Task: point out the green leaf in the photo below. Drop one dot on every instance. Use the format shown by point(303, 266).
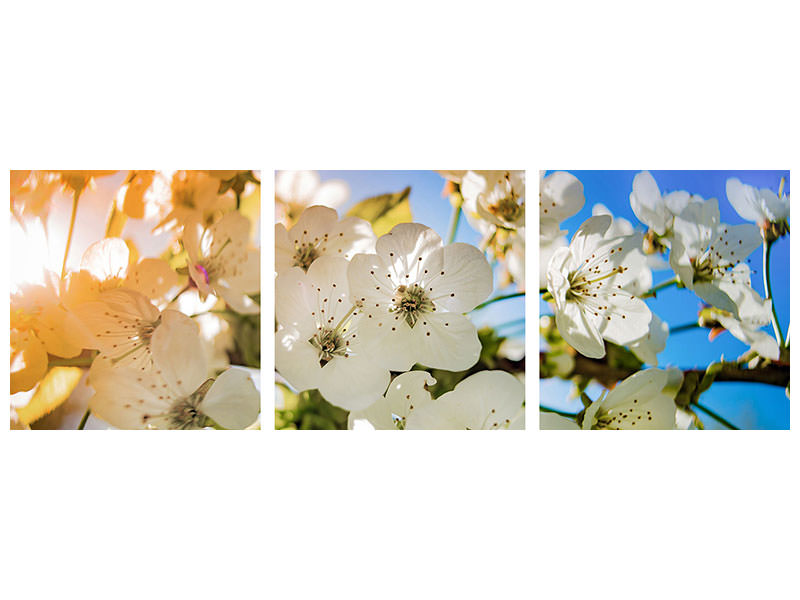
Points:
point(384, 211)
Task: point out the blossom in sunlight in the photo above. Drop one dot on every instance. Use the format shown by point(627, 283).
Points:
point(221, 263)
point(319, 232)
point(413, 293)
point(41, 324)
point(320, 344)
point(707, 256)
point(177, 395)
point(486, 400)
point(761, 206)
point(654, 210)
point(194, 198)
point(496, 197)
point(645, 400)
point(560, 197)
point(106, 265)
point(130, 331)
point(748, 329)
point(587, 281)
point(297, 190)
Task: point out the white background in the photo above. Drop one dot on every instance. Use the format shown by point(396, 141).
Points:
point(399, 85)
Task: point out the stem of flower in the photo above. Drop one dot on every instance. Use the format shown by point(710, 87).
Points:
point(716, 417)
point(185, 288)
point(563, 413)
point(768, 289)
point(657, 288)
point(85, 418)
point(455, 217)
point(685, 327)
point(497, 298)
point(75, 195)
point(71, 362)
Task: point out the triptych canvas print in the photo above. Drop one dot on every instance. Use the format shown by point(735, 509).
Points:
point(401, 300)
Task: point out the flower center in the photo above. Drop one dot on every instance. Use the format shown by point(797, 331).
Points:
point(329, 343)
point(185, 413)
point(411, 302)
point(507, 209)
point(304, 255)
point(705, 269)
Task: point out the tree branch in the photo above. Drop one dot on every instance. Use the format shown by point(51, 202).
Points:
point(772, 374)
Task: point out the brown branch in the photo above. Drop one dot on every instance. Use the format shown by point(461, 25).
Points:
point(772, 374)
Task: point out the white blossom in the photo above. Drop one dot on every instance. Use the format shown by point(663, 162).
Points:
point(645, 400)
point(221, 263)
point(494, 197)
point(320, 343)
point(486, 400)
point(706, 255)
point(587, 281)
point(297, 190)
point(560, 197)
point(761, 206)
point(414, 292)
point(130, 331)
point(654, 210)
point(319, 232)
point(177, 395)
point(754, 314)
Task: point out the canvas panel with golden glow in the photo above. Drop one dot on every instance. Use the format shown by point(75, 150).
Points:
point(135, 299)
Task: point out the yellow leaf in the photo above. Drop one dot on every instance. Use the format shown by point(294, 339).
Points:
point(53, 390)
point(384, 211)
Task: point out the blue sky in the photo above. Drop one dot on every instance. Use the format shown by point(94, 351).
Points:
point(430, 208)
point(747, 405)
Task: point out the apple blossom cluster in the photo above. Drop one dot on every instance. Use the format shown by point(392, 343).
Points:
point(155, 331)
point(355, 312)
point(597, 284)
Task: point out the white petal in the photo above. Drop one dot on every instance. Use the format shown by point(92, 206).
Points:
point(123, 397)
point(296, 186)
point(328, 278)
point(548, 420)
point(295, 302)
point(152, 277)
point(296, 360)
point(405, 244)
point(561, 196)
point(233, 400)
point(106, 259)
point(629, 320)
point(485, 400)
point(370, 281)
point(465, 279)
point(353, 382)
point(743, 199)
point(408, 392)
point(178, 352)
point(578, 331)
point(390, 338)
point(647, 204)
point(446, 341)
point(736, 242)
